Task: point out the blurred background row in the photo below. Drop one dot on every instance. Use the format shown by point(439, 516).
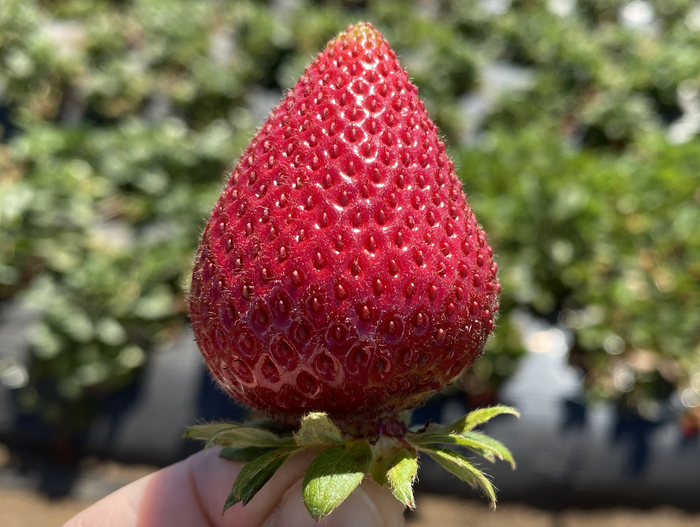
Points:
point(574, 125)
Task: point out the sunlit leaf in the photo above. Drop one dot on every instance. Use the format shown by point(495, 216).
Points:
point(462, 468)
point(478, 418)
point(397, 470)
point(333, 475)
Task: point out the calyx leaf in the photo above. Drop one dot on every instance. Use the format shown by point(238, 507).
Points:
point(206, 430)
point(478, 417)
point(233, 435)
point(482, 444)
point(462, 468)
point(255, 474)
point(333, 475)
point(397, 470)
point(479, 440)
point(318, 429)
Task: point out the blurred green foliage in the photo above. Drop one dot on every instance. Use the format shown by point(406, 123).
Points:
point(573, 124)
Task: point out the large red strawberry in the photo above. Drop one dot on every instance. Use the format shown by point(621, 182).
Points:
point(342, 269)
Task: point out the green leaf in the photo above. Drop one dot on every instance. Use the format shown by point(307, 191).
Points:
point(206, 430)
point(482, 444)
point(243, 455)
point(490, 444)
point(233, 435)
point(255, 481)
point(333, 475)
point(452, 439)
point(478, 418)
point(230, 502)
point(397, 471)
point(462, 468)
point(318, 429)
point(254, 476)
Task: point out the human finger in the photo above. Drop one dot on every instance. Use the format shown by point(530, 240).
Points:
point(192, 493)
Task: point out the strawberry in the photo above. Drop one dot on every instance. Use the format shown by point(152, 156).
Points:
point(342, 269)
point(341, 279)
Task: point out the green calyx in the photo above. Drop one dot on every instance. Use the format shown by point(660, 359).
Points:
point(344, 461)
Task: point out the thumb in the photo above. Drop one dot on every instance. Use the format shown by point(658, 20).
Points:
point(368, 506)
point(193, 492)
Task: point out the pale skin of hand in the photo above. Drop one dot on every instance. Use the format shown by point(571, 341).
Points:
point(191, 493)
